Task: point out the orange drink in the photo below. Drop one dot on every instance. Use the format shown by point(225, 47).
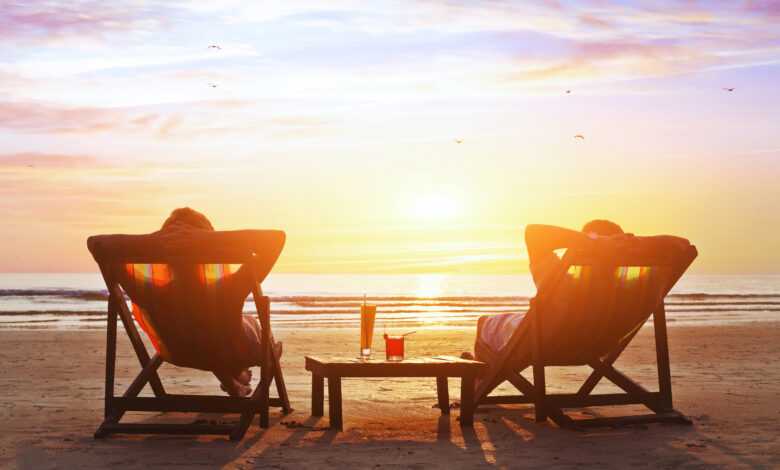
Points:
point(367, 316)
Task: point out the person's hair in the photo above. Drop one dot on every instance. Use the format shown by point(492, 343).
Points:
point(188, 217)
point(602, 227)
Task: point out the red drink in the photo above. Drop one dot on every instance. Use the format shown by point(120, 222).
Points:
point(394, 347)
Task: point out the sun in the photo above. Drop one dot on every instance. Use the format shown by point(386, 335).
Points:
point(434, 207)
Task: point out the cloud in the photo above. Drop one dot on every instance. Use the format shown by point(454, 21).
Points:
point(84, 191)
point(599, 40)
point(47, 160)
point(629, 58)
point(182, 121)
point(35, 22)
point(39, 118)
point(595, 22)
point(770, 8)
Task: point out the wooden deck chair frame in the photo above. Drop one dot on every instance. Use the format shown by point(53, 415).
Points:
point(505, 368)
point(116, 406)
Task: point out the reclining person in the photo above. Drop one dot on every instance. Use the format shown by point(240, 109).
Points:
point(188, 227)
point(600, 236)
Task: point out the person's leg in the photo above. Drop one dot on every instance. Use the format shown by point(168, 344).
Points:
point(468, 355)
point(230, 384)
point(243, 376)
point(252, 339)
point(480, 326)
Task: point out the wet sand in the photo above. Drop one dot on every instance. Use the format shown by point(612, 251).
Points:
point(725, 378)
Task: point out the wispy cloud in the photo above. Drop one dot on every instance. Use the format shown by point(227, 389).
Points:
point(183, 121)
point(35, 159)
point(34, 22)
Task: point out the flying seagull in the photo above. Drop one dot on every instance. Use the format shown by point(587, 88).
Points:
point(31, 166)
point(212, 85)
point(729, 89)
point(579, 137)
point(458, 141)
point(215, 47)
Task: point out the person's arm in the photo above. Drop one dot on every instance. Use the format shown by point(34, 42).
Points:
point(542, 240)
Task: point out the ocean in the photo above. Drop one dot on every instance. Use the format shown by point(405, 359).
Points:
point(77, 301)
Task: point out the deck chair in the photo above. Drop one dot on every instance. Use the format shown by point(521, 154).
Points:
point(169, 281)
point(613, 296)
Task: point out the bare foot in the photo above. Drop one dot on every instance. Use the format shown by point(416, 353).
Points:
point(236, 389)
point(244, 377)
point(231, 385)
point(244, 390)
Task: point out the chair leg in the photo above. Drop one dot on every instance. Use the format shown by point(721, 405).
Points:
point(281, 388)
point(243, 424)
point(265, 385)
point(540, 389)
point(540, 400)
point(662, 355)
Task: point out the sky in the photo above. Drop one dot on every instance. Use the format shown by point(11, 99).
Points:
point(338, 122)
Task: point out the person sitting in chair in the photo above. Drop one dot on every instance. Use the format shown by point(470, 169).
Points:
point(542, 241)
point(185, 222)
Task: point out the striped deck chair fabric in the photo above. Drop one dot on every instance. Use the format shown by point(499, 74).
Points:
point(176, 306)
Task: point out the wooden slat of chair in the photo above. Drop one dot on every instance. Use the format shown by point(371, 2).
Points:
point(594, 378)
point(264, 315)
point(135, 338)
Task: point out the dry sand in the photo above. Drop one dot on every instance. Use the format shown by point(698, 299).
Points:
point(726, 378)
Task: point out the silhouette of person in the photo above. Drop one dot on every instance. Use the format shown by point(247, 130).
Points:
point(542, 241)
point(235, 381)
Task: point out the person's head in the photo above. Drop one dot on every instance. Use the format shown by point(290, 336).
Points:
point(189, 218)
point(602, 227)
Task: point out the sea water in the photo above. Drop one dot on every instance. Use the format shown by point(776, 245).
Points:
point(68, 301)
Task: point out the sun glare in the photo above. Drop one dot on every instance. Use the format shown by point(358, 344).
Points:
point(429, 285)
point(434, 207)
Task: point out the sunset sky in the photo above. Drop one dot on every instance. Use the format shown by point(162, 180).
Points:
point(336, 122)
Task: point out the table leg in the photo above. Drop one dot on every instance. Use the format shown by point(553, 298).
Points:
point(443, 392)
point(334, 402)
point(467, 400)
point(317, 394)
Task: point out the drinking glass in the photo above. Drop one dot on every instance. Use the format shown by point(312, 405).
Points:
point(394, 348)
point(367, 316)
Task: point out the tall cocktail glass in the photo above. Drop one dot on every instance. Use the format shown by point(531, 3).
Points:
point(367, 316)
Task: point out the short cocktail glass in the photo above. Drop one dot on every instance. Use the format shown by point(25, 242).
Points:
point(394, 348)
point(367, 316)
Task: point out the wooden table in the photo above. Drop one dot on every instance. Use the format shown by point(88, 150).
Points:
point(441, 367)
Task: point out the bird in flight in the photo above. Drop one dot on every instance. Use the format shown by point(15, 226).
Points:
point(568, 91)
point(458, 141)
point(729, 89)
point(31, 166)
point(212, 85)
point(579, 137)
point(214, 47)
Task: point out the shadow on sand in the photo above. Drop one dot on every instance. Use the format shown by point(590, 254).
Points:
point(501, 437)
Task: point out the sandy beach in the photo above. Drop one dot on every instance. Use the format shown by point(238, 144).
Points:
point(726, 378)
